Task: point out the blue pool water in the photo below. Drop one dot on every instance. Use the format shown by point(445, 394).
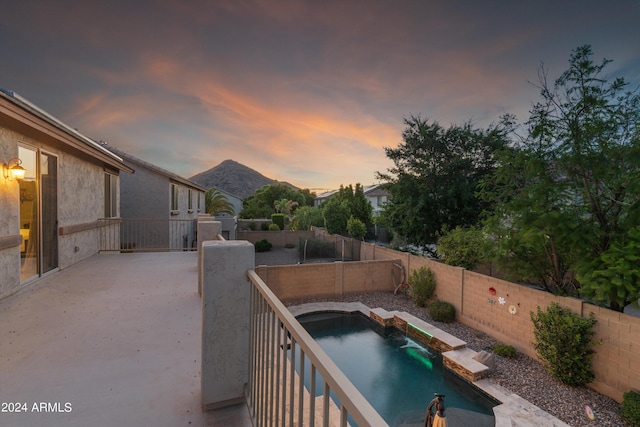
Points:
point(397, 375)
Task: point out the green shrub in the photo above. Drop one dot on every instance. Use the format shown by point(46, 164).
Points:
point(264, 226)
point(252, 226)
point(356, 228)
point(442, 311)
point(564, 341)
point(464, 247)
point(263, 245)
point(504, 350)
point(631, 407)
point(274, 227)
point(278, 219)
point(423, 284)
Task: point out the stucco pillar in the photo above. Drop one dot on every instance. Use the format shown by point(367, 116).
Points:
point(207, 230)
point(225, 321)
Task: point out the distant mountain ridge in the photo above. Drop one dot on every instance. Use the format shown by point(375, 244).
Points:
point(234, 178)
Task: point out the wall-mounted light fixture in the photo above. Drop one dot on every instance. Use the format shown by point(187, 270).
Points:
point(12, 170)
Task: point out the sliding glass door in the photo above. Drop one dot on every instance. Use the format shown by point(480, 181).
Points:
point(49, 212)
point(38, 213)
point(29, 230)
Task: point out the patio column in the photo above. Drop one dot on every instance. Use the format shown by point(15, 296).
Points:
point(225, 321)
point(208, 229)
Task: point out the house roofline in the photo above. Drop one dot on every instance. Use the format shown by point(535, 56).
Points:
point(172, 176)
point(23, 111)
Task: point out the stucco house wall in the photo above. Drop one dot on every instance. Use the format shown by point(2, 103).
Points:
point(235, 201)
point(146, 194)
point(9, 216)
point(80, 198)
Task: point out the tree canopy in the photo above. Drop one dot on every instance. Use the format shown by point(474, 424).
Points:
point(346, 203)
point(273, 198)
point(306, 217)
point(568, 189)
point(435, 176)
point(558, 197)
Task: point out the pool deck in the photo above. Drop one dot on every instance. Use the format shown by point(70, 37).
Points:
point(514, 410)
point(117, 337)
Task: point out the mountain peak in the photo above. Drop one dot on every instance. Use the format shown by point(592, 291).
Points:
point(234, 178)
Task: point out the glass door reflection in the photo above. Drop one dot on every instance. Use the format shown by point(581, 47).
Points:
point(29, 248)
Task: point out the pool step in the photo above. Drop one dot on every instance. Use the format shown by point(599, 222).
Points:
point(462, 362)
point(418, 329)
point(456, 356)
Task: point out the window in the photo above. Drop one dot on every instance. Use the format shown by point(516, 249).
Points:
point(190, 200)
point(198, 207)
point(110, 196)
point(174, 197)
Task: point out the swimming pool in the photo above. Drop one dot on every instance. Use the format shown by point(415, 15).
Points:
point(397, 375)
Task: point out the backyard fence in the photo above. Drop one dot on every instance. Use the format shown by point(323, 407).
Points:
point(147, 235)
point(341, 248)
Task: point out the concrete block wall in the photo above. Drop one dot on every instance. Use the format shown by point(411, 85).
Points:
point(279, 239)
point(367, 276)
point(327, 279)
point(618, 358)
point(369, 251)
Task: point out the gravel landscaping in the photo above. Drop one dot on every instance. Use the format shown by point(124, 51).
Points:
point(521, 375)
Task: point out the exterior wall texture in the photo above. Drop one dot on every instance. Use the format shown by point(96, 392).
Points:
point(144, 194)
point(183, 211)
point(80, 202)
point(9, 216)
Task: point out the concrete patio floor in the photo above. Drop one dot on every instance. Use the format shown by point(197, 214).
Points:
point(111, 341)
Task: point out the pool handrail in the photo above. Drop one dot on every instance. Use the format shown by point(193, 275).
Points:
point(352, 402)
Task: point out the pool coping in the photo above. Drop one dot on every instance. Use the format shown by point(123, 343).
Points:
point(457, 357)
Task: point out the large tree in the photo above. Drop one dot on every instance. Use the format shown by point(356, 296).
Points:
point(435, 177)
point(347, 202)
point(262, 203)
point(571, 187)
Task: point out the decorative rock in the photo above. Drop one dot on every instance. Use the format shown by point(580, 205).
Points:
point(487, 359)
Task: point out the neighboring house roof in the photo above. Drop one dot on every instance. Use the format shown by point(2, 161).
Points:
point(172, 176)
point(368, 190)
point(375, 190)
point(36, 118)
point(326, 195)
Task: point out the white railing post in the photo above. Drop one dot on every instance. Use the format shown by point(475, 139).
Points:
point(225, 321)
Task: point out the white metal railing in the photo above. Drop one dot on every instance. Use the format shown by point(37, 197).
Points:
point(276, 395)
point(147, 234)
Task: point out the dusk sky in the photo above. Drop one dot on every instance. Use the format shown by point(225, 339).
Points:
point(307, 92)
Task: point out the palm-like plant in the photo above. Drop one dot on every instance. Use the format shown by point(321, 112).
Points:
point(215, 202)
point(284, 206)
